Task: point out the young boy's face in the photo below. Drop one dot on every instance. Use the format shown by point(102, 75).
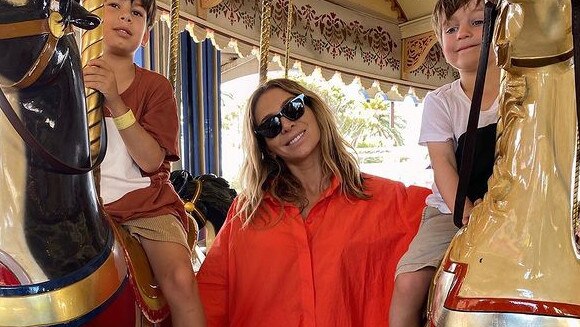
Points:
point(461, 36)
point(124, 26)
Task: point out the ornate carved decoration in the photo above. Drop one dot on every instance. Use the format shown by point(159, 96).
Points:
point(206, 4)
point(235, 12)
point(330, 34)
point(415, 51)
point(323, 33)
point(424, 60)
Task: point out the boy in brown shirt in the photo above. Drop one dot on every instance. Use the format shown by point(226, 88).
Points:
point(142, 140)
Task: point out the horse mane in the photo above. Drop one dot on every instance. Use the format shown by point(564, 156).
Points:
point(214, 199)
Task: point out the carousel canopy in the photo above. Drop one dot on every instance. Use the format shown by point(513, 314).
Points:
point(389, 10)
point(387, 45)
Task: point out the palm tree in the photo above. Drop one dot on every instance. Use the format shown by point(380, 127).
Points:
point(369, 123)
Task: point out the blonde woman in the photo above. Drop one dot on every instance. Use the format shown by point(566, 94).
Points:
point(310, 240)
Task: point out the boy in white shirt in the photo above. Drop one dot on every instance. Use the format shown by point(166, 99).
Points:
point(459, 28)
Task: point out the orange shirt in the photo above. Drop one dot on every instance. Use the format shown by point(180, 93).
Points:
point(334, 268)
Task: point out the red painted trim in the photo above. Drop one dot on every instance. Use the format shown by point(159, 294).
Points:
point(119, 313)
point(154, 316)
point(523, 306)
point(7, 277)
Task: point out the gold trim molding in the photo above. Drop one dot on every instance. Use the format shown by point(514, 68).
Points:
point(415, 50)
point(67, 303)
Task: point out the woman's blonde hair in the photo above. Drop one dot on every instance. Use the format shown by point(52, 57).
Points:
point(262, 173)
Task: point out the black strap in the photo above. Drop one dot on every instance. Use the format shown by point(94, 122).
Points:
point(576, 42)
point(57, 165)
point(542, 61)
point(490, 14)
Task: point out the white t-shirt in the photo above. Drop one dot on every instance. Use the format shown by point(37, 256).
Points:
point(445, 117)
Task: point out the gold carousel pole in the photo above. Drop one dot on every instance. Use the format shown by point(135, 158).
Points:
point(265, 29)
point(174, 42)
point(92, 48)
point(288, 38)
point(576, 201)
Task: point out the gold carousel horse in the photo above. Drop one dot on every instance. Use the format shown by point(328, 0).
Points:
point(516, 263)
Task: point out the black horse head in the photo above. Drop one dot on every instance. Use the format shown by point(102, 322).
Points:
point(213, 200)
point(41, 76)
point(25, 33)
point(70, 10)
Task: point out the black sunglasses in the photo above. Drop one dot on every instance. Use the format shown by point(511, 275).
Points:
point(293, 110)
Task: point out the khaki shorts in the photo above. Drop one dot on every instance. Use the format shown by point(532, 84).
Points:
point(430, 243)
point(166, 228)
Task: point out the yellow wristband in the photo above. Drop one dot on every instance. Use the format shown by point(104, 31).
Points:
point(124, 121)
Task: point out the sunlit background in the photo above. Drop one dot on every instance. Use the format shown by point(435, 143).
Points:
point(385, 140)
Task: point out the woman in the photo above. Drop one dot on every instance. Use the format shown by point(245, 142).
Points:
point(309, 240)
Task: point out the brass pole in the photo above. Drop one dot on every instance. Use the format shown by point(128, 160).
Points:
point(575, 202)
point(174, 42)
point(265, 29)
point(288, 37)
point(92, 48)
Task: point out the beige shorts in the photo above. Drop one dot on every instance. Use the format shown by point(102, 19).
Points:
point(166, 228)
point(430, 243)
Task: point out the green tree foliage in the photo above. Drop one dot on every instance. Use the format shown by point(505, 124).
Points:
point(230, 118)
point(362, 123)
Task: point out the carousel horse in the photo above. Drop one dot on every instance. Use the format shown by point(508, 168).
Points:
point(207, 199)
point(516, 263)
point(62, 261)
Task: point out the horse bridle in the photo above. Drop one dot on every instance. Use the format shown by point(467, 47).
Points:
point(55, 27)
point(191, 207)
point(490, 14)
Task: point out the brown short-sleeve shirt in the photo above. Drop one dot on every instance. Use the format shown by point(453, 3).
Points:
point(127, 191)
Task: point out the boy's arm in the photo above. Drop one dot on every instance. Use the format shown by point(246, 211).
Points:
point(143, 148)
point(446, 175)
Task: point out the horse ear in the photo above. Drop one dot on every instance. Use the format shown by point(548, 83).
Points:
point(179, 179)
point(81, 18)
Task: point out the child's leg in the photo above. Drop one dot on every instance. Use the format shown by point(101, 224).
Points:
point(409, 297)
point(171, 264)
point(165, 242)
point(417, 267)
